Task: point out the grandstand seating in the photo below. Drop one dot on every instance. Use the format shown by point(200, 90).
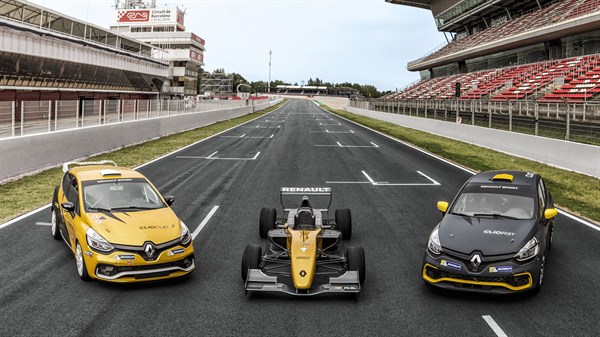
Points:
point(581, 76)
point(554, 13)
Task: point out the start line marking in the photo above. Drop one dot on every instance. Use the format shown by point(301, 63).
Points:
point(385, 183)
point(251, 137)
point(327, 131)
point(211, 157)
point(373, 145)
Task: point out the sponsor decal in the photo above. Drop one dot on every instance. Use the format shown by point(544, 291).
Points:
point(303, 243)
point(154, 227)
point(98, 221)
point(176, 251)
point(302, 257)
point(113, 180)
point(450, 264)
point(125, 257)
point(303, 249)
point(350, 288)
point(88, 253)
point(102, 218)
point(302, 273)
point(94, 216)
point(488, 231)
point(501, 269)
point(502, 187)
point(306, 189)
point(529, 174)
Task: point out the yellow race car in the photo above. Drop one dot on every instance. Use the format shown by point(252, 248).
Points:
point(118, 226)
point(305, 255)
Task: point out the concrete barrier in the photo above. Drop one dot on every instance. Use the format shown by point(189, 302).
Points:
point(571, 156)
point(21, 155)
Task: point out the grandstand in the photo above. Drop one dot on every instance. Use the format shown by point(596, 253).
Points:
point(510, 50)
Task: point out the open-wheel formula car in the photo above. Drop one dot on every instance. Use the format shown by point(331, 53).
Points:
point(305, 255)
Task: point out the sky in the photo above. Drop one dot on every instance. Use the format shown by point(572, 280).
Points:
point(357, 41)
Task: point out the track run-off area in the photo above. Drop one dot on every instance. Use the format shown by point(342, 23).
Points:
point(220, 185)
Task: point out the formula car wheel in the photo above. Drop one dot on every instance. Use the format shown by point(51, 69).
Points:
point(250, 259)
point(343, 221)
point(355, 256)
point(81, 269)
point(268, 217)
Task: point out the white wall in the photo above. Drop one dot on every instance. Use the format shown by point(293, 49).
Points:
point(571, 156)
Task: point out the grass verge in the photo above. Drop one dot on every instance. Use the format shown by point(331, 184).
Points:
point(575, 192)
point(30, 192)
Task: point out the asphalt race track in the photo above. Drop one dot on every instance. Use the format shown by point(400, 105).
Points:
point(392, 191)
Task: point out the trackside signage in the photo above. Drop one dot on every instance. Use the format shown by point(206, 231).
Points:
point(307, 189)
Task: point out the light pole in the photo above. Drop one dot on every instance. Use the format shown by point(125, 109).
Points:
point(269, 85)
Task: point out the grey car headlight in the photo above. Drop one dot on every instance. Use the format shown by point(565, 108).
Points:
point(529, 250)
point(434, 245)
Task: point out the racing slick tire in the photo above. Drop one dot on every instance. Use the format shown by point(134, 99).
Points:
point(268, 217)
point(80, 263)
point(55, 216)
point(343, 221)
point(355, 256)
point(250, 259)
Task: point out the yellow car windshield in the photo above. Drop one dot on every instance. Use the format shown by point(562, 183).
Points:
point(120, 194)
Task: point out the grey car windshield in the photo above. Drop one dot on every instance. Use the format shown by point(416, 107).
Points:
point(128, 194)
point(507, 205)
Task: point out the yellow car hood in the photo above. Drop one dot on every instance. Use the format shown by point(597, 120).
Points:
point(135, 228)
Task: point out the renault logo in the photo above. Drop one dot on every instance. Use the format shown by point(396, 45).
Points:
point(476, 261)
point(149, 250)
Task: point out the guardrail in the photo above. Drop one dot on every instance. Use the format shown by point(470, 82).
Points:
point(33, 117)
point(578, 122)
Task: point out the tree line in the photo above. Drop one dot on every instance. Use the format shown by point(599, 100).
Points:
point(365, 90)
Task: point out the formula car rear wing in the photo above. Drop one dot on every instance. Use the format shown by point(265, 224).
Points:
point(66, 166)
point(305, 191)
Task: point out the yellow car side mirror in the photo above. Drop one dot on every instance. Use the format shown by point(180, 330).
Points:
point(550, 213)
point(442, 206)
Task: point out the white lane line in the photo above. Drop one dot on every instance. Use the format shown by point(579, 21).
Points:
point(424, 175)
point(338, 143)
point(204, 222)
point(19, 218)
point(43, 224)
point(490, 321)
point(212, 154)
point(368, 178)
point(573, 217)
point(329, 124)
point(374, 144)
point(257, 153)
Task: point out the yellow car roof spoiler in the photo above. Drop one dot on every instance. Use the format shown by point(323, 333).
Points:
point(66, 166)
point(503, 176)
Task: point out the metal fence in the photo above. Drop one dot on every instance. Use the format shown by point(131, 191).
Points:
point(579, 122)
point(26, 118)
